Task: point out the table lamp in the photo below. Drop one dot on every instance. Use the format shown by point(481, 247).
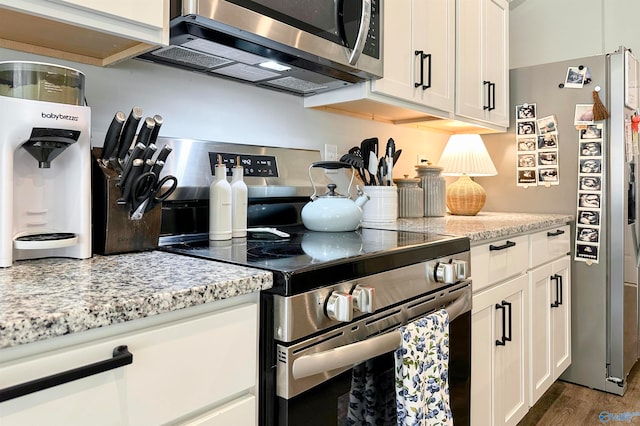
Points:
point(465, 155)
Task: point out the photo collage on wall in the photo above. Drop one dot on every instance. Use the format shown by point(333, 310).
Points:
point(536, 148)
point(589, 193)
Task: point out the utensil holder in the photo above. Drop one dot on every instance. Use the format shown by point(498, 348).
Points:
point(382, 206)
point(113, 229)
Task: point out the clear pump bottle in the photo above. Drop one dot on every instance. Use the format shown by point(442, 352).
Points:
point(238, 201)
point(220, 205)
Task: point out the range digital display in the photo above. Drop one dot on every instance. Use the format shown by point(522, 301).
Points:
point(254, 165)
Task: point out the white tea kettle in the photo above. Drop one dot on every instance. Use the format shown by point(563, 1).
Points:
point(333, 212)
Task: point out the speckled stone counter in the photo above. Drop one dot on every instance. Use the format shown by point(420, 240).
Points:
point(40, 299)
point(484, 226)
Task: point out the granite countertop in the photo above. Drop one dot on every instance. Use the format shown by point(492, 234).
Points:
point(40, 299)
point(482, 227)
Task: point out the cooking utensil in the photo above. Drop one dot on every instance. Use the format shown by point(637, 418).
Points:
point(357, 162)
point(373, 168)
point(110, 145)
point(390, 152)
point(382, 171)
point(396, 156)
point(128, 132)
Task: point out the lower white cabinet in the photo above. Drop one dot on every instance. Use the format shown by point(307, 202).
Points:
point(499, 353)
point(549, 324)
point(197, 370)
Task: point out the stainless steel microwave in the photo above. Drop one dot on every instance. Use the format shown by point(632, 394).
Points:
point(304, 46)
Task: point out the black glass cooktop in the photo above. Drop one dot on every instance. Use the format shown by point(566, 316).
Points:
point(311, 259)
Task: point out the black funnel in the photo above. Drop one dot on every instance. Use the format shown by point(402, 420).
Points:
point(46, 144)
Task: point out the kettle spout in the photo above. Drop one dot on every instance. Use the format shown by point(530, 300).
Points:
point(362, 198)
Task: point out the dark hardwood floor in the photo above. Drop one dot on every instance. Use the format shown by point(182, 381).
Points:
point(567, 404)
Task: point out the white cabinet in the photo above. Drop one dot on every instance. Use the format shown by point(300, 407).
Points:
point(499, 260)
point(93, 32)
point(482, 60)
point(550, 310)
point(419, 42)
point(499, 359)
point(198, 370)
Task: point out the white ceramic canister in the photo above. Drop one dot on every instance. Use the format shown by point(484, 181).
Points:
point(410, 197)
point(434, 187)
point(382, 206)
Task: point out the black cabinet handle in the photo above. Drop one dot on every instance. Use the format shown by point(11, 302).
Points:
point(502, 247)
point(558, 279)
point(422, 58)
point(502, 341)
point(487, 83)
point(121, 357)
point(555, 234)
point(505, 303)
point(492, 90)
point(428, 85)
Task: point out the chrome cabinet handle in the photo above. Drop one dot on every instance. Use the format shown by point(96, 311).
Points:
point(121, 357)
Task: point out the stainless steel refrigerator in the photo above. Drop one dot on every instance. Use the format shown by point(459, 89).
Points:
point(605, 342)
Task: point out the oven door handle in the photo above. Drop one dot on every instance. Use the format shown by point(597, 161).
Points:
point(355, 353)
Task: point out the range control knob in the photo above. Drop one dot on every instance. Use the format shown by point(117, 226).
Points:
point(363, 298)
point(450, 273)
point(340, 306)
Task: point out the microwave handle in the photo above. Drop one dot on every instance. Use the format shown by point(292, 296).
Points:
point(355, 353)
point(363, 32)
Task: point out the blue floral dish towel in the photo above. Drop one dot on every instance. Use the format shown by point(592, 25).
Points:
point(422, 372)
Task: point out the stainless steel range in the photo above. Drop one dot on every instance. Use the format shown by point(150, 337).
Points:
point(338, 298)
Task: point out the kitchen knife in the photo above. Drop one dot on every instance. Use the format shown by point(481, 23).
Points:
point(157, 167)
point(135, 172)
point(148, 165)
point(138, 150)
point(110, 145)
point(149, 152)
point(157, 119)
point(128, 132)
point(144, 135)
point(164, 153)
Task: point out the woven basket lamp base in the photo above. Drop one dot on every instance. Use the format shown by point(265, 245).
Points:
point(465, 197)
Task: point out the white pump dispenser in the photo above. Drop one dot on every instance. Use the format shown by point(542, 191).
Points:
point(220, 204)
point(238, 201)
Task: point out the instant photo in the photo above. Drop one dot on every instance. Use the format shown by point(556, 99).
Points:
point(591, 131)
point(590, 165)
point(590, 183)
point(527, 177)
point(584, 114)
point(591, 149)
point(548, 175)
point(587, 235)
point(526, 160)
point(589, 200)
point(527, 143)
point(589, 217)
point(575, 78)
point(587, 252)
point(525, 111)
point(547, 141)
point(547, 124)
point(526, 127)
point(548, 158)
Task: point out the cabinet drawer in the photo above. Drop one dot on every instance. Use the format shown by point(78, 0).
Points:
point(178, 369)
point(549, 245)
point(494, 262)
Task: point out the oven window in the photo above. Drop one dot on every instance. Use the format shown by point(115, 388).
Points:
point(365, 394)
point(318, 17)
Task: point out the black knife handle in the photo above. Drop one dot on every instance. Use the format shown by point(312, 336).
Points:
point(157, 119)
point(149, 152)
point(164, 153)
point(120, 357)
point(136, 171)
point(135, 154)
point(129, 131)
point(110, 145)
point(144, 135)
point(157, 167)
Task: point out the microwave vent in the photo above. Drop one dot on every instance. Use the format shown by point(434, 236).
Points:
point(190, 57)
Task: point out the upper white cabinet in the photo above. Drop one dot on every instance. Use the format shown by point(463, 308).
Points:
point(93, 32)
point(482, 61)
point(419, 52)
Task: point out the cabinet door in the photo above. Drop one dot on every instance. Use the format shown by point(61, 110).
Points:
point(561, 318)
point(419, 51)
point(145, 12)
point(499, 381)
point(540, 330)
point(482, 83)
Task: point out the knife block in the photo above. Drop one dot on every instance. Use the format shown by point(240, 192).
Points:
point(113, 229)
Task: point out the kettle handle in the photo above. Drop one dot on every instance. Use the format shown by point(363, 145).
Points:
point(331, 165)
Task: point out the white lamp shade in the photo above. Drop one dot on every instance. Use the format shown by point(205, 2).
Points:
point(465, 154)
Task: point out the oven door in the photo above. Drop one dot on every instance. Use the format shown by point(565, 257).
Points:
point(325, 381)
